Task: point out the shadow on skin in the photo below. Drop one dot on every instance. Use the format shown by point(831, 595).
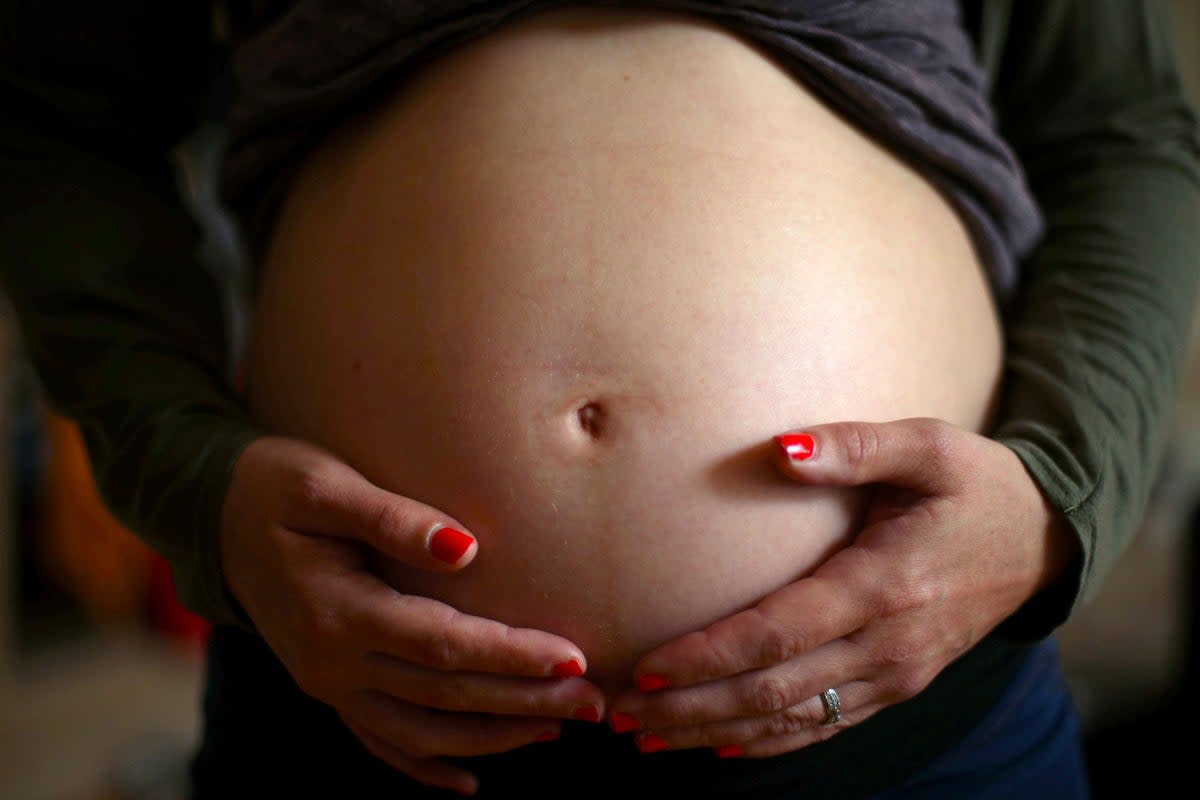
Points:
point(750, 474)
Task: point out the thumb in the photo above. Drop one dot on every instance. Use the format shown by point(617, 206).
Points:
point(400, 528)
point(348, 506)
point(920, 453)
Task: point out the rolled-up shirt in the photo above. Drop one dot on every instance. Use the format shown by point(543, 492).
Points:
point(904, 72)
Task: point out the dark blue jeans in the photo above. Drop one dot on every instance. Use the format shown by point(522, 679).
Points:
point(262, 736)
point(1029, 747)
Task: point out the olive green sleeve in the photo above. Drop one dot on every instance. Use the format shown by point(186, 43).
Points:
point(124, 325)
point(1090, 96)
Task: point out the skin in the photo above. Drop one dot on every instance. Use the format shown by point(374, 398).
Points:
point(956, 540)
point(460, 395)
point(299, 527)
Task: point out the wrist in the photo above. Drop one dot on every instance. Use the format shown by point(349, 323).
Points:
point(224, 574)
point(1056, 567)
point(1060, 546)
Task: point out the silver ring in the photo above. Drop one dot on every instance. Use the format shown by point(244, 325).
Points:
point(833, 707)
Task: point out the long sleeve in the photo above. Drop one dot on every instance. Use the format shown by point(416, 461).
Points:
point(1090, 96)
point(125, 326)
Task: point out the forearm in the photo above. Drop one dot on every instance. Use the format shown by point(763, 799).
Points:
point(1098, 335)
point(131, 345)
point(124, 327)
point(1096, 353)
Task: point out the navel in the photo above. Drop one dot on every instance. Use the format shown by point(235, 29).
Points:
point(591, 419)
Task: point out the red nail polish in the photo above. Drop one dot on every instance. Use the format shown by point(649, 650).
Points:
point(588, 713)
point(546, 736)
point(651, 683)
point(449, 544)
point(730, 751)
point(624, 723)
point(796, 446)
point(651, 743)
point(571, 668)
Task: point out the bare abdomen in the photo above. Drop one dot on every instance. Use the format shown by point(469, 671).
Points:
point(567, 283)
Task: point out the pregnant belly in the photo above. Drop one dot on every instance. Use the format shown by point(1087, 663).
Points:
point(565, 284)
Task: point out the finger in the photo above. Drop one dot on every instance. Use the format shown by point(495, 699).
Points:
point(427, 771)
point(337, 501)
point(791, 621)
point(749, 696)
point(799, 720)
point(775, 745)
point(427, 733)
point(916, 453)
point(433, 634)
point(570, 698)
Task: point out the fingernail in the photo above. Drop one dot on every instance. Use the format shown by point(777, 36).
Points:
point(796, 446)
point(546, 736)
point(624, 723)
point(588, 713)
point(450, 544)
point(730, 751)
point(571, 668)
point(651, 683)
point(651, 743)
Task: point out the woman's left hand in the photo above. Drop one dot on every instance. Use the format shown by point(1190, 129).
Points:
point(956, 537)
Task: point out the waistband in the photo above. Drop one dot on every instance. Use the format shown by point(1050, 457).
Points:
point(262, 733)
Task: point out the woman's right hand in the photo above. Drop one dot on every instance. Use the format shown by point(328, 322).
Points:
point(411, 677)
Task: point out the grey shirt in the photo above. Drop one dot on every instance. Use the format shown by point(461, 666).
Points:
point(904, 71)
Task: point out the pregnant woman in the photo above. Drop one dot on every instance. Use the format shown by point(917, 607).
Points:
point(565, 283)
point(626, 409)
